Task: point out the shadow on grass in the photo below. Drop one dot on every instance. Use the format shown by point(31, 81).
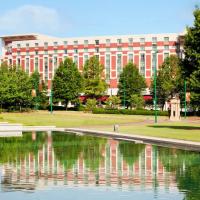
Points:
point(176, 127)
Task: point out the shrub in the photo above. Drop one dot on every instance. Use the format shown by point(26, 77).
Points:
point(113, 102)
point(128, 112)
point(90, 105)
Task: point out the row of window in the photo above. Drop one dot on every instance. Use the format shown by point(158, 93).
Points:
point(119, 67)
point(142, 48)
point(86, 42)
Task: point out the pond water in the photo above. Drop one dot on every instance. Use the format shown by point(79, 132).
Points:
point(55, 165)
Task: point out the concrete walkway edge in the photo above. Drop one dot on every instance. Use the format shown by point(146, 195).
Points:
point(180, 144)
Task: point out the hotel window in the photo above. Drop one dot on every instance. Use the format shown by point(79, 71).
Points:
point(36, 53)
point(96, 50)
point(154, 63)
point(166, 39)
point(130, 48)
point(107, 49)
point(27, 53)
point(86, 57)
point(154, 39)
point(107, 67)
point(27, 65)
point(107, 41)
point(166, 47)
point(130, 41)
point(18, 62)
point(55, 51)
point(142, 40)
point(166, 55)
point(65, 51)
point(154, 47)
point(36, 64)
point(27, 45)
point(64, 58)
point(36, 44)
point(85, 42)
point(46, 45)
point(96, 42)
point(76, 60)
point(55, 63)
point(142, 64)
point(10, 62)
point(119, 41)
point(55, 44)
point(46, 68)
point(97, 57)
point(119, 64)
point(142, 48)
point(76, 42)
point(75, 50)
point(46, 52)
point(18, 45)
point(85, 50)
point(119, 49)
point(18, 53)
point(130, 57)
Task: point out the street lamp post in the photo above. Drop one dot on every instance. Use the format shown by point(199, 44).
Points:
point(155, 90)
point(124, 96)
point(51, 100)
point(185, 106)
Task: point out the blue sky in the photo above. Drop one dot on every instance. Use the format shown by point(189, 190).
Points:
point(71, 18)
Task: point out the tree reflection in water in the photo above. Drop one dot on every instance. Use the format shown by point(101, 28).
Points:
point(15, 148)
point(48, 158)
point(186, 166)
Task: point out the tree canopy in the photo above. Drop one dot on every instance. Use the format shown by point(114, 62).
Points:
point(169, 80)
point(67, 82)
point(191, 64)
point(130, 82)
point(15, 87)
point(95, 85)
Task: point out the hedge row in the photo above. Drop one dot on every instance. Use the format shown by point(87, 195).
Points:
point(128, 112)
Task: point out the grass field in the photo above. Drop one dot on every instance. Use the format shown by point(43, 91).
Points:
point(140, 125)
point(67, 119)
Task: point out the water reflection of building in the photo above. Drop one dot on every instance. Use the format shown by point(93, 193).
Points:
point(43, 168)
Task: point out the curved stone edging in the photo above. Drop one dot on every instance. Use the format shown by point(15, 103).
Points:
point(180, 144)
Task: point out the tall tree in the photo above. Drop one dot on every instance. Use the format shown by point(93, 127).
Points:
point(67, 82)
point(169, 81)
point(15, 87)
point(191, 64)
point(130, 82)
point(95, 85)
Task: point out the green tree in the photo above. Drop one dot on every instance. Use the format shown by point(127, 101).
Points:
point(113, 102)
point(137, 101)
point(67, 82)
point(191, 63)
point(130, 82)
point(40, 97)
point(15, 87)
point(95, 85)
point(90, 104)
point(169, 80)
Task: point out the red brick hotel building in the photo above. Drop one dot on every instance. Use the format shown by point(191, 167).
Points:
point(44, 53)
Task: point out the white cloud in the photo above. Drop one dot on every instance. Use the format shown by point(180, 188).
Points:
point(31, 18)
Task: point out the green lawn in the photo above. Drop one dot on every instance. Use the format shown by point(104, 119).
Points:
point(175, 130)
point(140, 125)
point(67, 119)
